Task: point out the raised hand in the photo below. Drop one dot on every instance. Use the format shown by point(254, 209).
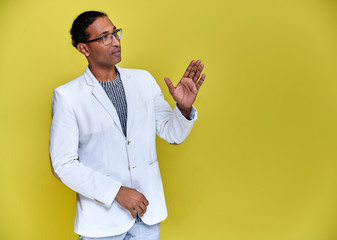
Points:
point(132, 200)
point(187, 89)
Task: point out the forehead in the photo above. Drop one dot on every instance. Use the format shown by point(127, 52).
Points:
point(99, 26)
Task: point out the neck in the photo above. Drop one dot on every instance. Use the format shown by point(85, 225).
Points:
point(103, 74)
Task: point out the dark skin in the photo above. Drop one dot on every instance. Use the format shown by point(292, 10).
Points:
point(102, 60)
point(187, 89)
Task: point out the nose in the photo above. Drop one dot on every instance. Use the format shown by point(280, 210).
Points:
point(115, 41)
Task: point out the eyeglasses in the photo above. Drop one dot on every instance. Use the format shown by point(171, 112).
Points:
point(108, 38)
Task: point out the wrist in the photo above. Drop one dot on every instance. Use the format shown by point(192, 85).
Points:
point(119, 193)
point(185, 111)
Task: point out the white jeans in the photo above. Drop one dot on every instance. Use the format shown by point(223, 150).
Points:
point(139, 231)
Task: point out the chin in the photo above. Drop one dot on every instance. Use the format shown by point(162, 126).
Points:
point(118, 60)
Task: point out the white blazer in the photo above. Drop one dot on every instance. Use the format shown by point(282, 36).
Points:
point(90, 154)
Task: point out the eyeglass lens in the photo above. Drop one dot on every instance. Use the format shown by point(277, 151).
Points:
point(107, 39)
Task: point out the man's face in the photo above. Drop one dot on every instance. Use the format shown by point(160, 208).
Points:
point(99, 54)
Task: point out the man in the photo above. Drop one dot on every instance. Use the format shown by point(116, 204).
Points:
point(102, 135)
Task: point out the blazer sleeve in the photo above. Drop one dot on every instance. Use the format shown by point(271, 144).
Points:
point(171, 126)
point(63, 149)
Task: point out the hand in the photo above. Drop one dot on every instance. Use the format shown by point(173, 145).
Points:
point(187, 89)
point(132, 200)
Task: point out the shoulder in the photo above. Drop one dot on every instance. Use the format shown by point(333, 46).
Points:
point(141, 78)
point(138, 78)
point(71, 91)
point(71, 86)
point(135, 72)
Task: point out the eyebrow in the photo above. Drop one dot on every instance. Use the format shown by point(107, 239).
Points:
point(105, 32)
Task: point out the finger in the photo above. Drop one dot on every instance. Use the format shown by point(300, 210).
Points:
point(133, 213)
point(197, 75)
point(143, 207)
point(195, 68)
point(169, 84)
point(145, 202)
point(189, 68)
point(201, 81)
point(140, 211)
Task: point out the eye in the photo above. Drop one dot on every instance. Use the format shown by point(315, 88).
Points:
point(106, 36)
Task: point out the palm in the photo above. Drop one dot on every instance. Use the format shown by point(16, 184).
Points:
point(185, 92)
point(187, 89)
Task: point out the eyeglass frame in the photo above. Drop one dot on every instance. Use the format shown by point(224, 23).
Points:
point(101, 38)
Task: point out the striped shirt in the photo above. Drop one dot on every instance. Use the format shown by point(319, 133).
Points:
point(116, 94)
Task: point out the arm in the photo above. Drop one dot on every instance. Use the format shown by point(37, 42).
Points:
point(63, 148)
point(175, 126)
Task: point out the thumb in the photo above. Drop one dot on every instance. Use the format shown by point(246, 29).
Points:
point(169, 84)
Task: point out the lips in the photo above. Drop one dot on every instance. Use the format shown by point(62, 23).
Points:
point(117, 52)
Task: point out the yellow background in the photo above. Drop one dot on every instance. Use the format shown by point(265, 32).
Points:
point(260, 163)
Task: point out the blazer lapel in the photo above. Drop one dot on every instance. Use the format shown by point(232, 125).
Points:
point(102, 97)
point(131, 97)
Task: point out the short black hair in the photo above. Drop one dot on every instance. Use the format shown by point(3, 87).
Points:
point(80, 24)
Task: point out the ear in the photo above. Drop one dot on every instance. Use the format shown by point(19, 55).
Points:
point(83, 48)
